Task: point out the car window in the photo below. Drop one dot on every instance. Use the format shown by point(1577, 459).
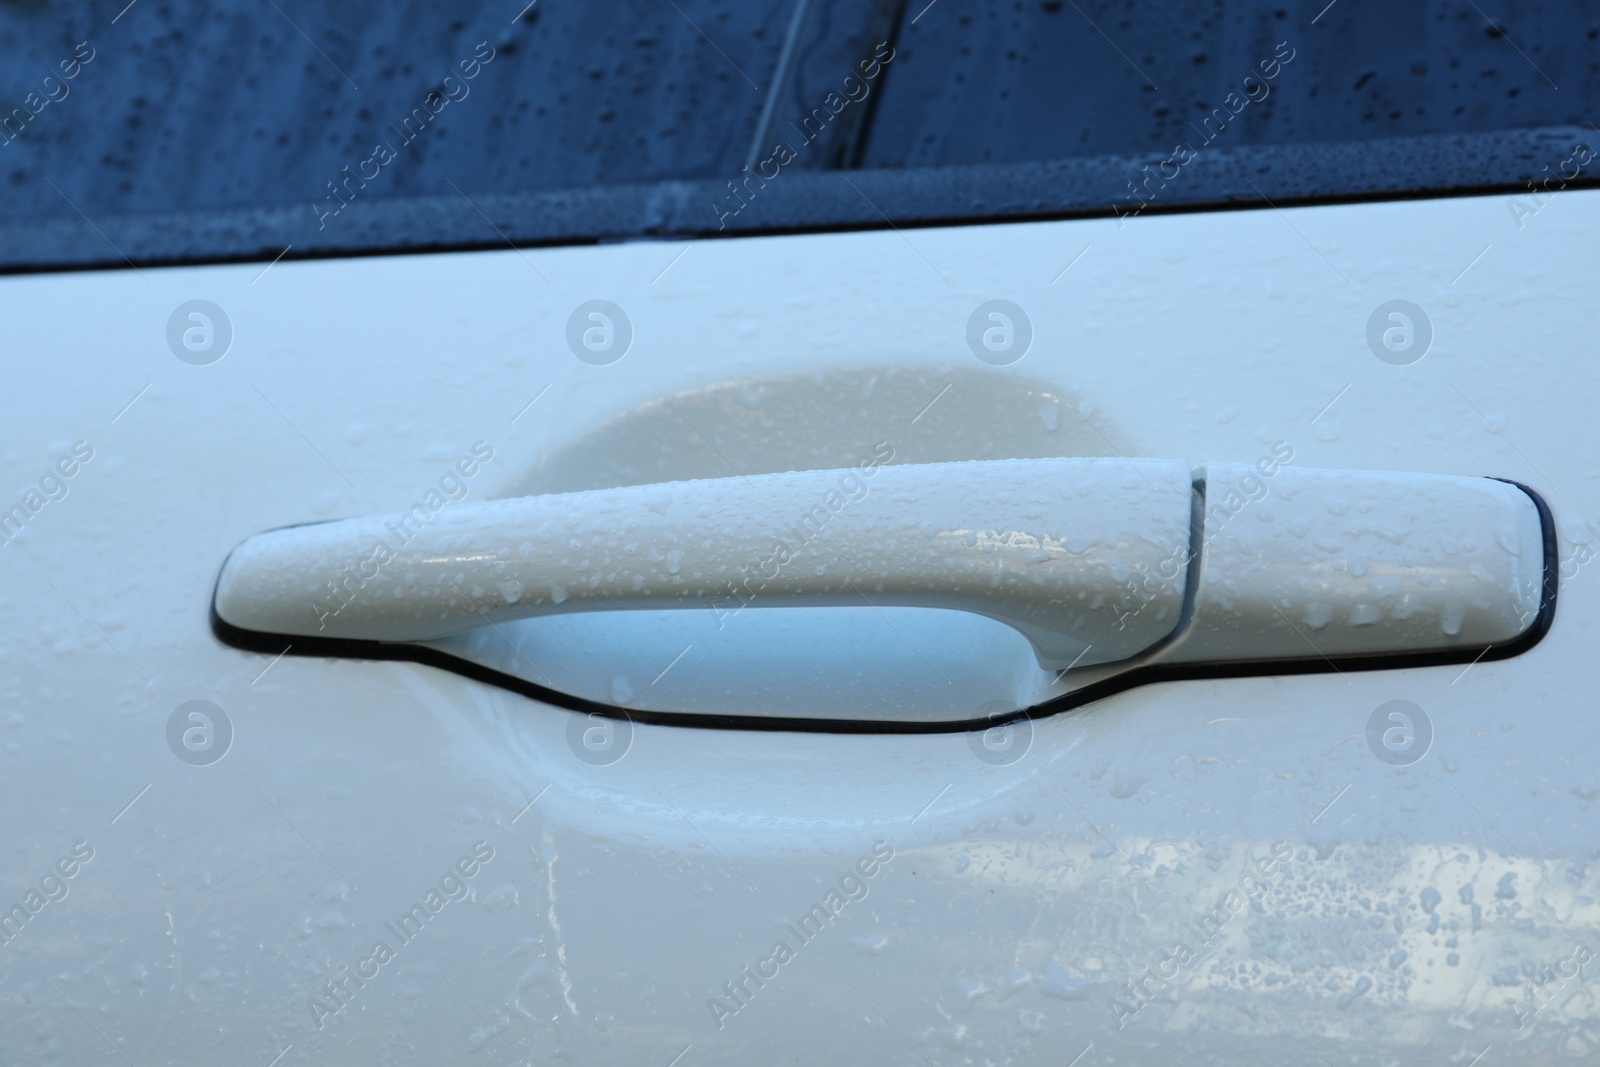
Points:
point(148, 133)
point(1060, 79)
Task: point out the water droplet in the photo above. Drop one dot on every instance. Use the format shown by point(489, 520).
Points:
point(1349, 995)
point(1059, 983)
point(1365, 614)
point(1450, 621)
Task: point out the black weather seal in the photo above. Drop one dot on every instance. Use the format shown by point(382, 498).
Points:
point(1251, 177)
point(345, 648)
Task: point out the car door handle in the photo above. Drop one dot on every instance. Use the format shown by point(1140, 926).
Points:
point(1046, 546)
point(1094, 560)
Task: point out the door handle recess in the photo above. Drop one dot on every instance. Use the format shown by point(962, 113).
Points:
point(1092, 560)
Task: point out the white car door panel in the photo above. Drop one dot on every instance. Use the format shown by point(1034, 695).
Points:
point(347, 860)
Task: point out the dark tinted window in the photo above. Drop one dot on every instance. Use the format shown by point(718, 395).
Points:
point(1010, 82)
point(329, 128)
point(186, 106)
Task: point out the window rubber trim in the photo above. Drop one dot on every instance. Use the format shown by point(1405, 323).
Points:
point(347, 648)
point(1246, 177)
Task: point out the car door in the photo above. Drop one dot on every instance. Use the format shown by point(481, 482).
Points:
point(423, 859)
point(231, 848)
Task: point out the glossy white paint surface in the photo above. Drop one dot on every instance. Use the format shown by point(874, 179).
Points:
point(1030, 884)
